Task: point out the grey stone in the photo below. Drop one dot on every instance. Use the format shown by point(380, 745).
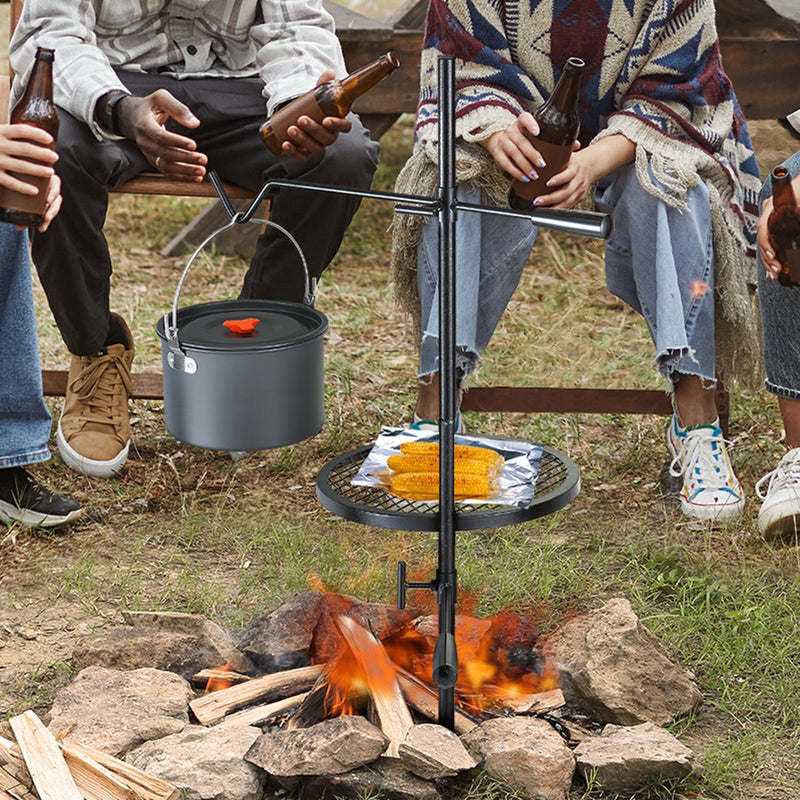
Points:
point(624, 759)
point(329, 747)
point(524, 753)
point(433, 751)
point(105, 707)
point(616, 671)
point(206, 763)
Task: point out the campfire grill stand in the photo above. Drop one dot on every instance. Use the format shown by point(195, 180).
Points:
point(333, 490)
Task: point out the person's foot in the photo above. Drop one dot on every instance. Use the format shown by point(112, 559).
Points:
point(779, 515)
point(94, 431)
point(24, 500)
point(420, 424)
point(709, 490)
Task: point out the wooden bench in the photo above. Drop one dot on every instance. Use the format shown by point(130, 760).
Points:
point(760, 48)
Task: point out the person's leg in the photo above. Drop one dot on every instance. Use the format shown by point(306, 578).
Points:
point(779, 515)
point(664, 270)
point(491, 252)
point(24, 418)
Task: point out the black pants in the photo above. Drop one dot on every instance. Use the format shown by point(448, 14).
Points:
point(72, 256)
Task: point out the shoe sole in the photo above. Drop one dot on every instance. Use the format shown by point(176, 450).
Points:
point(778, 526)
point(33, 519)
point(88, 466)
point(723, 513)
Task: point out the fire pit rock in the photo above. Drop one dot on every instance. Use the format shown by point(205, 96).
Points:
point(112, 710)
point(206, 763)
point(624, 759)
point(616, 671)
point(330, 747)
point(526, 753)
point(433, 751)
point(172, 641)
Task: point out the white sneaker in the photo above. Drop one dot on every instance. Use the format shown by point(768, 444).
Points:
point(779, 516)
point(710, 490)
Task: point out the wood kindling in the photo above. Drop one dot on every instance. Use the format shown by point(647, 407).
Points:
point(212, 707)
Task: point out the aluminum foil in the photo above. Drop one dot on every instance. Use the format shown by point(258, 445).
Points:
point(516, 483)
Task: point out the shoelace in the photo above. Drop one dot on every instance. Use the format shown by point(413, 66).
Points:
point(702, 453)
point(98, 383)
point(784, 476)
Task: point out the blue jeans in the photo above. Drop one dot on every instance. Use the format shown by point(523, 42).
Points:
point(780, 318)
point(658, 260)
point(24, 419)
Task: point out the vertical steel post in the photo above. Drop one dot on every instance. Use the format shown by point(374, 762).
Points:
point(445, 658)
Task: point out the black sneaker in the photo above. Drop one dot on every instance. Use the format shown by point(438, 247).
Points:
point(23, 500)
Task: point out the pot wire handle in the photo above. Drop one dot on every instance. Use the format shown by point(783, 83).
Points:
point(309, 295)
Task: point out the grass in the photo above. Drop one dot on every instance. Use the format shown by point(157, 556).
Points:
point(189, 530)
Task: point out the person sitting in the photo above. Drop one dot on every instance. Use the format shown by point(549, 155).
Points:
point(179, 88)
point(663, 148)
point(25, 420)
point(779, 489)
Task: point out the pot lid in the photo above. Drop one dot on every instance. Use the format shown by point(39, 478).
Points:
point(246, 325)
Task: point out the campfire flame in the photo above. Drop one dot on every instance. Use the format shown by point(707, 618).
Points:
point(220, 678)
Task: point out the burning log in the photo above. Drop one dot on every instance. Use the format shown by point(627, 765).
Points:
point(206, 678)
point(211, 708)
point(43, 759)
point(426, 702)
point(390, 706)
point(261, 714)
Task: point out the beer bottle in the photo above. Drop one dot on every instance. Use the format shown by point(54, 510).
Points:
point(330, 99)
point(783, 226)
point(558, 128)
point(36, 107)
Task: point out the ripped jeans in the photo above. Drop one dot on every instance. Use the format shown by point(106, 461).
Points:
point(780, 317)
point(659, 260)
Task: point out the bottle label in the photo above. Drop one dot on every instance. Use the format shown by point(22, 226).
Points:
point(556, 158)
point(790, 261)
point(34, 204)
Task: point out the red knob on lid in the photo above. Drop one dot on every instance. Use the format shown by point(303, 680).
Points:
point(241, 327)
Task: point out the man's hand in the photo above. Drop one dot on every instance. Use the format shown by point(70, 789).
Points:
point(143, 120)
point(308, 138)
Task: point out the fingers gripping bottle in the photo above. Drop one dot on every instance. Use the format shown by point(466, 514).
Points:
point(783, 225)
point(36, 107)
point(559, 125)
point(329, 99)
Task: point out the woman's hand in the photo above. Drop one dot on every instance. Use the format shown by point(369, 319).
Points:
point(53, 203)
point(513, 152)
point(26, 150)
point(766, 249)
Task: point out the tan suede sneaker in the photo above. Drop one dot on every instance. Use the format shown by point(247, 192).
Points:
point(94, 431)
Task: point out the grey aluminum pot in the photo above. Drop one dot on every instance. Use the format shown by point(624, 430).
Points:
point(259, 388)
point(253, 392)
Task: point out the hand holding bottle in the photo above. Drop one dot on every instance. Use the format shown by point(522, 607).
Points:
point(143, 119)
point(27, 150)
point(308, 137)
point(766, 247)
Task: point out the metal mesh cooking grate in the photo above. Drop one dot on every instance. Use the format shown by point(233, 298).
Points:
point(557, 484)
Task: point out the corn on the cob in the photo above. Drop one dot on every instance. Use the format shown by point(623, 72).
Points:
point(463, 466)
point(425, 485)
point(459, 451)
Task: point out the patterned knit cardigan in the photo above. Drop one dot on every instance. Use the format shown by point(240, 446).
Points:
point(653, 73)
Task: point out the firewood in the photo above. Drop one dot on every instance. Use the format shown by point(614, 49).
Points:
point(201, 679)
point(426, 702)
point(142, 785)
point(43, 758)
point(390, 707)
point(316, 705)
point(537, 703)
point(211, 708)
point(258, 715)
point(12, 765)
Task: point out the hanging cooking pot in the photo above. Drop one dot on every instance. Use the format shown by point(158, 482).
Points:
point(243, 374)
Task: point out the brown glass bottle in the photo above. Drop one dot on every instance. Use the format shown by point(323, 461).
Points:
point(36, 107)
point(783, 225)
point(559, 125)
point(330, 99)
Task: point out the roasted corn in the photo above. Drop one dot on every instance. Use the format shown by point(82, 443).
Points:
point(425, 485)
point(459, 451)
point(405, 462)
